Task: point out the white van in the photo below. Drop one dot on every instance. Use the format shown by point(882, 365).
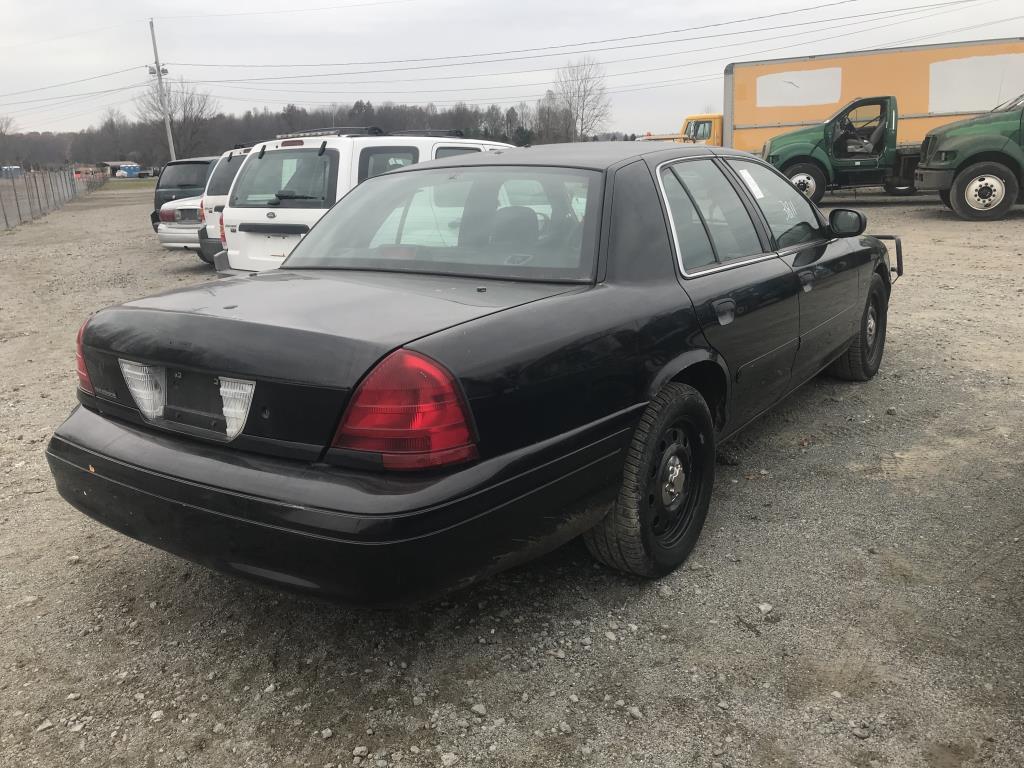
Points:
point(214, 199)
point(287, 184)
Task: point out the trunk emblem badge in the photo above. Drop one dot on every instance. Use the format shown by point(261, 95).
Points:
point(271, 215)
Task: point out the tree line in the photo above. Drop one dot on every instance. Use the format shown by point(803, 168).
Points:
point(576, 108)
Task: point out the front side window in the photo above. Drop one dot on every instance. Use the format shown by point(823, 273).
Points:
point(507, 221)
point(287, 178)
point(373, 161)
point(728, 223)
point(790, 216)
point(703, 130)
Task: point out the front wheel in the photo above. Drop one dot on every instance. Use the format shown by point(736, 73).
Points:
point(984, 192)
point(809, 179)
point(666, 487)
point(864, 357)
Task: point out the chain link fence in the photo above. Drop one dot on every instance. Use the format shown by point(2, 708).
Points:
point(28, 195)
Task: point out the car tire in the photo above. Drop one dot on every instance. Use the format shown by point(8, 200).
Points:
point(863, 358)
point(944, 197)
point(809, 179)
point(899, 190)
point(666, 487)
point(984, 192)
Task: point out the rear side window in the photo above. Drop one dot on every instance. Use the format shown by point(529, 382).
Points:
point(727, 221)
point(181, 175)
point(373, 161)
point(789, 214)
point(224, 174)
point(287, 178)
point(691, 236)
point(451, 151)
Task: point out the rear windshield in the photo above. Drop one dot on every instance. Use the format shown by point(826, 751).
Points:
point(510, 222)
point(224, 174)
point(287, 178)
point(178, 175)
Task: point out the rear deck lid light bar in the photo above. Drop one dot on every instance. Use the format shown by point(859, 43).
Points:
point(148, 385)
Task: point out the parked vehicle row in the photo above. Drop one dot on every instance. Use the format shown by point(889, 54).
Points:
point(467, 363)
point(284, 186)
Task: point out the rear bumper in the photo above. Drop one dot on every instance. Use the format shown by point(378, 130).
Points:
point(209, 246)
point(178, 237)
point(364, 537)
point(933, 180)
point(222, 264)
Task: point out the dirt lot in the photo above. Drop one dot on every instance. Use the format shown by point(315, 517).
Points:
point(883, 522)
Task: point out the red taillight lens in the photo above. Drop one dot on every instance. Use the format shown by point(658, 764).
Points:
point(223, 234)
point(166, 214)
point(84, 383)
point(410, 412)
point(202, 210)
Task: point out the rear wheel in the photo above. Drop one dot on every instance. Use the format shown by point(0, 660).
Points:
point(809, 179)
point(666, 487)
point(900, 190)
point(984, 192)
point(862, 360)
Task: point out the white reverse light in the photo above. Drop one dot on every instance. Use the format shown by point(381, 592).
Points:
point(148, 386)
point(236, 395)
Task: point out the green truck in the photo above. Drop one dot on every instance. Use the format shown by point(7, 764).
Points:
point(855, 147)
point(977, 165)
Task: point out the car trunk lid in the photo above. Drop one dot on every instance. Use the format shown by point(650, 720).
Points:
point(301, 338)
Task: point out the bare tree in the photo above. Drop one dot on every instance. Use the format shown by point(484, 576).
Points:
point(6, 125)
point(190, 110)
point(580, 87)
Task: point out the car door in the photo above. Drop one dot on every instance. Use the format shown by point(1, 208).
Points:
point(869, 118)
point(828, 268)
point(746, 298)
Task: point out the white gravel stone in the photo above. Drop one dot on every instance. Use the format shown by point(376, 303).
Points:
point(449, 758)
point(479, 709)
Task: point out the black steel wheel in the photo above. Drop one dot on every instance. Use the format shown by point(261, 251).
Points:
point(666, 487)
point(864, 357)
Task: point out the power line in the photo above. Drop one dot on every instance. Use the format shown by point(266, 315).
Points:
point(286, 10)
point(70, 82)
point(541, 48)
point(72, 95)
point(664, 55)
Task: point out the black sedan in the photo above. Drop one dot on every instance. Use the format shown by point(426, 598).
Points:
point(470, 362)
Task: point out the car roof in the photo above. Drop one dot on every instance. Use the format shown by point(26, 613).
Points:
point(181, 160)
point(593, 155)
point(386, 140)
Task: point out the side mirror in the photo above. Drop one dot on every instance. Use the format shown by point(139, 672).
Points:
point(847, 223)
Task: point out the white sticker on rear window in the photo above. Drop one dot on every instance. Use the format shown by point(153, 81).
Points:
point(751, 183)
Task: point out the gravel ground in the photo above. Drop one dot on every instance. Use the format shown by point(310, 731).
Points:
point(854, 600)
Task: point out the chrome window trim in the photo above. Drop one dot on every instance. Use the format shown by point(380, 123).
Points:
point(675, 237)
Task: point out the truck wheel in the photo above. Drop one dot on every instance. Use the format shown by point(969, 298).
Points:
point(900, 190)
point(984, 192)
point(666, 487)
point(944, 197)
point(861, 361)
point(809, 179)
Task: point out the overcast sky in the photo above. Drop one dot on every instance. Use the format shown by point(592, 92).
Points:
point(46, 42)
